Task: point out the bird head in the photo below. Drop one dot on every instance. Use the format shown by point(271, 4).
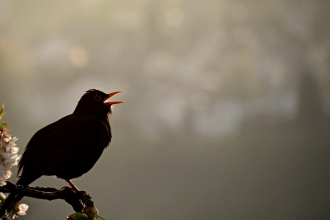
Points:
point(95, 102)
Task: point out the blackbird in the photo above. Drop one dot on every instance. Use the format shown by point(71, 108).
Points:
point(69, 147)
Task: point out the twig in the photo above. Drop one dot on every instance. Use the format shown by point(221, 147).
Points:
point(78, 200)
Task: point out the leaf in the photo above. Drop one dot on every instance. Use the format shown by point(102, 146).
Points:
point(99, 217)
point(3, 125)
point(1, 110)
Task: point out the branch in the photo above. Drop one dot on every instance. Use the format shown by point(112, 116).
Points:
point(78, 200)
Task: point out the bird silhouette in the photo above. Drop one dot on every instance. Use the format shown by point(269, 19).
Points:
point(69, 147)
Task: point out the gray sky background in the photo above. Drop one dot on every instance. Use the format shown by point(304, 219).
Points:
point(227, 103)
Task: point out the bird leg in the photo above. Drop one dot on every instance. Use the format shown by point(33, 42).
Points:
point(72, 186)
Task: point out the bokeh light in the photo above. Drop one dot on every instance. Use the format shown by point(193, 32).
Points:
point(174, 17)
point(78, 56)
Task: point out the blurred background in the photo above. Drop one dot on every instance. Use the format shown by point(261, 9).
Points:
point(227, 103)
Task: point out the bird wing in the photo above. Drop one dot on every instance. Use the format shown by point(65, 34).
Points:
point(70, 146)
point(35, 141)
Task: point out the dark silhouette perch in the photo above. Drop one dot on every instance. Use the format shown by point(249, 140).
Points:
point(78, 200)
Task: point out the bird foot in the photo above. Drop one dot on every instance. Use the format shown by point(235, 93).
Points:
point(68, 188)
point(81, 192)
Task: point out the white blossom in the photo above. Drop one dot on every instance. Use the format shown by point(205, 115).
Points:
point(8, 155)
point(2, 196)
point(22, 209)
point(8, 159)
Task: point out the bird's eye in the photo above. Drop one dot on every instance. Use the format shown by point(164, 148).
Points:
point(97, 98)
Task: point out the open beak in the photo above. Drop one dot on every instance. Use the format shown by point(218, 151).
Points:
point(112, 102)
